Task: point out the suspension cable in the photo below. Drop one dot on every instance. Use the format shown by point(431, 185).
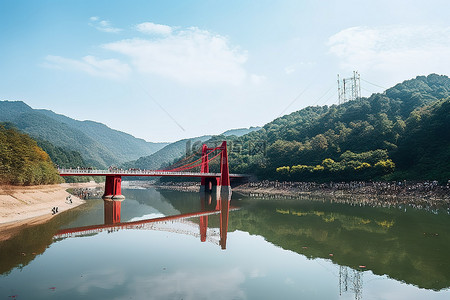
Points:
point(186, 167)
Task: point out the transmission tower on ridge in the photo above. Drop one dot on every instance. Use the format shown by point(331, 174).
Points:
point(349, 88)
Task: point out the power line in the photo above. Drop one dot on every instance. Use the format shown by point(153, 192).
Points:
point(302, 92)
point(332, 86)
point(295, 99)
point(160, 106)
point(317, 73)
point(331, 96)
point(374, 84)
point(372, 92)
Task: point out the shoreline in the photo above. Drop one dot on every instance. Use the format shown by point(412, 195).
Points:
point(30, 204)
point(419, 194)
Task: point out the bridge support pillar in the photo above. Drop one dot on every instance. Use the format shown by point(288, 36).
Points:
point(112, 211)
point(208, 184)
point(113, 188)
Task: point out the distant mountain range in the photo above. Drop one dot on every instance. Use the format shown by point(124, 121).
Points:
point(240, 131)
point(99, 145)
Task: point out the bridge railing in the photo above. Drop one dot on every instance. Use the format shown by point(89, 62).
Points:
point(84, 171)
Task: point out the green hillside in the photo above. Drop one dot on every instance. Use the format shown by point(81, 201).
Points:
point(399, 130)
point(240, 131)
point(62, 157)
point(65, 158)
point(22, 161)
point(424, 148)
point(125, 145)
point(98, 144)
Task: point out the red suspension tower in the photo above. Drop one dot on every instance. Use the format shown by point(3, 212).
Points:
point(222, 182)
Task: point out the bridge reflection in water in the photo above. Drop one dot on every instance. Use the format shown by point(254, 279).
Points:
point(181, 223)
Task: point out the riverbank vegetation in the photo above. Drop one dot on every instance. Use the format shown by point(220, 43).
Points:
point(22, 161)
point(64, 158)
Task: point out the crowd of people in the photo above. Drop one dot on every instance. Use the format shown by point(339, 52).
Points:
point(88, 193)
point(187, 186)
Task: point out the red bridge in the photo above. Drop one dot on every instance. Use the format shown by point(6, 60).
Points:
point(113, 181)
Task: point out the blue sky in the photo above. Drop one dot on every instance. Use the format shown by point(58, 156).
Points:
point(166, 70)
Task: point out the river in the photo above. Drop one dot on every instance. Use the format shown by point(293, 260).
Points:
point(248, 248)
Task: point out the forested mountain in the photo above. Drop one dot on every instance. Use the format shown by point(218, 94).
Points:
point(125, 145)
point(22, 161)
point(424, 148)
point(240, 131)
point(401, 129)
point(62, 157)
point(98, 144)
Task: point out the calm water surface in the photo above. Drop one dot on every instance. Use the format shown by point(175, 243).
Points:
point(249, 249)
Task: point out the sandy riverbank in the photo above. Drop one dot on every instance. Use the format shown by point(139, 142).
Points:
point(23, 204)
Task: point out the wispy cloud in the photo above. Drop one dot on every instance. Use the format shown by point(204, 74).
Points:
point(225, 284)
point(294, 67)
point(190, 56)
point(152, 28)
point(403, 50)
point(257, 79)
point(107, 68)
point(103, 25)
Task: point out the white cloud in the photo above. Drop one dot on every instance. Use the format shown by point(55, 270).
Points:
point(257, 79)
point(107, 68)
point(100, 279)
point(225, 284)
point(103, 25)
point(152, 28)
point(190, 56)
point(404, 50)
point(289, 69)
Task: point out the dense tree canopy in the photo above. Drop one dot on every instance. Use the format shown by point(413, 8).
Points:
point(22, 161)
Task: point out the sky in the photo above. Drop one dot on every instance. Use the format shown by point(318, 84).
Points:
point(168, 70)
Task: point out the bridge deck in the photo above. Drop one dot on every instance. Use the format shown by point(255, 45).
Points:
point(87, 172)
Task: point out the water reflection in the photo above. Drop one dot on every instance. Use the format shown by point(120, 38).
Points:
point(180, 223)
point(410, 246)
point(350, 281)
